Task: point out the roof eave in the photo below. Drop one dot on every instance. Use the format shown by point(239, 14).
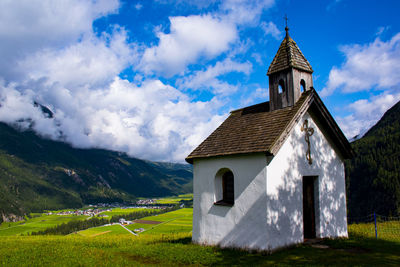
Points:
point(288, 68)
point(191, 159)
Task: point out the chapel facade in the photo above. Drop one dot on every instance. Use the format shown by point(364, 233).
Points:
point(272, 174)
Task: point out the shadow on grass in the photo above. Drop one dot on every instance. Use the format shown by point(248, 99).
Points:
point(357, 250)
point(183, 240)
point(362, 243)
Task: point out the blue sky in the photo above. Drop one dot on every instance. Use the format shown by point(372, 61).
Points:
point(154, 78)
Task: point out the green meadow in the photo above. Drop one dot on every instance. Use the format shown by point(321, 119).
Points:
point(113, 249)
point(174, 199)
point(120, 211)
point(166, 241)
point(38, 223)
point(179, 221)
point(102, 230)
point(388, 230)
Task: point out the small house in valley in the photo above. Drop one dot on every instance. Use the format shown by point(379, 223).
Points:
point(272, 174)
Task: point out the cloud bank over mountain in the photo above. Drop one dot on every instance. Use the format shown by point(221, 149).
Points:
point(52, 55)
point(154, 78)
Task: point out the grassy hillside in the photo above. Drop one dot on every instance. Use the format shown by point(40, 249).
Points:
point(37, 174)
point(373, 175)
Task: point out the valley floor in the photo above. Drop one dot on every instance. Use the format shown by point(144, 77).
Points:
point(165, 240)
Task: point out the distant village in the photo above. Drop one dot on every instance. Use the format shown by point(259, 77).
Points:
point(87, 212)
point(97, 209)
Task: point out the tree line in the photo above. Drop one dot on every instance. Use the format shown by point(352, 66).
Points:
point(373, 174)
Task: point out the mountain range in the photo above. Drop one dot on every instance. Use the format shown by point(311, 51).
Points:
point(373, 175)
point(39, 174)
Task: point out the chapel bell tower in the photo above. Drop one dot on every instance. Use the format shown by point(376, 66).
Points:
point(290, 74)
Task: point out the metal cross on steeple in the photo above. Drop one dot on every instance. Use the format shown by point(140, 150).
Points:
point(308, 132)
point(286, 19)
point(286, 28)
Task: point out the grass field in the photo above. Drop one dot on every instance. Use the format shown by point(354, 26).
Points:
point(40, 222)
point(177, 250)
point(36, 224)
point(104, 230)
point(179, 221)
point(119, 211)
point(169, 244)
point(174, 199)
point(388, 230)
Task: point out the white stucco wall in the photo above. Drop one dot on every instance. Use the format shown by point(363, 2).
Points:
point(241, 225)
point(285, 190)
point(268, 208)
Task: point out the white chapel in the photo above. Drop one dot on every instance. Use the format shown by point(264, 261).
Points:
point(272, 174)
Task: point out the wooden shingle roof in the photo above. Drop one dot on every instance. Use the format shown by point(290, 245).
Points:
point(255, 129)
point(289, 56)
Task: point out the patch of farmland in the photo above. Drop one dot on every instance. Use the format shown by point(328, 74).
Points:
point(174, 199)
point(119, 211)
point(179, 221)
point(146, 222)
point(36, 224)
point(114, 229)
point(171, 215)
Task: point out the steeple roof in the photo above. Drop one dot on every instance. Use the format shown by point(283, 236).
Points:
point(289, 56)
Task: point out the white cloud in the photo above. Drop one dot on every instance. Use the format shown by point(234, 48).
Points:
point(154, 121)
point(52, 55)
point(271, 29)
point(256, 96)
point(74, 72)
point(244, 11)
point(91, 61)
point(202, 36)
point(185, 3)
point(138, 6)
point(367, 66)
point(381, 30)
point(372, 66)
point(189, 38)
point(366, 113)
point(28, 26)
point(208, 79)
point(258, 58)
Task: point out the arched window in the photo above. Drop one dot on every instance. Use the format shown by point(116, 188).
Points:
point(228, 187)
point(303, 85)
point(281, 87)
point(224, 188)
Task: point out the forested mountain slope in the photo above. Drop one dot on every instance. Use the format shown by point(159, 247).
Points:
point(373, 175)
point(37, 173)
